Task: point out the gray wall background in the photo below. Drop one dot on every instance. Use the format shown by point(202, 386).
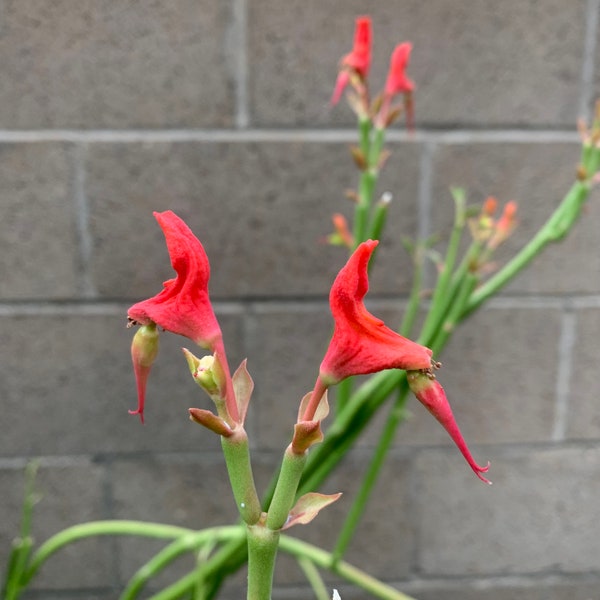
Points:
point(219, 111)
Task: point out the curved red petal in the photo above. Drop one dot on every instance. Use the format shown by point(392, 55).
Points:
point(183, 306)
point(361, 342)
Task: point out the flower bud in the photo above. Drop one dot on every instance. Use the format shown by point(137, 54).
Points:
point(144, 349)
point(206, 372)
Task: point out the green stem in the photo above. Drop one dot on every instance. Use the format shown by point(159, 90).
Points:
point(237, 459)
point(262, 551)
point(366, 188)
point(314, 578)
point(343, 391)
point(324, 559)
point(553, 230)
point(287, 486)
point(397, 415)
point(209, 569)
point(414, 300)
point(364, 132)
point(465, 291)
point(137, 528)
point(159, 562)
point(441, 298)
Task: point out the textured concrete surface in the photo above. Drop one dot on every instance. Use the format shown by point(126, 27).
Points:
point(220, 111)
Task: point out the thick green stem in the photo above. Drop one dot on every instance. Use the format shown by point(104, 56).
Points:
point(287, 486)
point(262, 551)
point(237, 458)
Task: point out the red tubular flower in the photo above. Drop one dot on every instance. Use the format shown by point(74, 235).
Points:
point(398, 83)
point(183, 306)
point(431, 394)
point(362, 343)
point(359, 60)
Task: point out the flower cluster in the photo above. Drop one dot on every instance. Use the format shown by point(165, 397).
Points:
point(354, 71)
point(361, 343)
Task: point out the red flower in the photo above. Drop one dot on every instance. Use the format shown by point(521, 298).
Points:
point(431, 394)
point(362, 343)
point(397, 82)
point(183, 306)
point(358, 61)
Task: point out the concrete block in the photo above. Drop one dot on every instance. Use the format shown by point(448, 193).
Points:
point(99, 66)
point(71, 493)
point(260, 209)
point(74, 375)
point(474, 64)
point(288, 346)
point(537, 176)
point(499, 374)
point(534, 519)
point(583, 420)
point(38, 240)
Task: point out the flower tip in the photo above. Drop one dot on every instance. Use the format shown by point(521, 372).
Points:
point(340, 85)
point(138, 412)
point(479, 470)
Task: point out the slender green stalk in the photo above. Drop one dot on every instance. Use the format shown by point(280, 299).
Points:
point(414, 299)
point(366, 188)
point(441, 300)
point(314, 578)
point(465, 291)
point(159, 562)
point(324, 559)
point(137, 528)
point(343, 391)
point(287, 486)
point(553, 230)
point(397, 415)
point(210, 568)
point(22, 545)
point(364, 133)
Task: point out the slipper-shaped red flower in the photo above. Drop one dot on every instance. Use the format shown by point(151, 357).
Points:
point(361, 342)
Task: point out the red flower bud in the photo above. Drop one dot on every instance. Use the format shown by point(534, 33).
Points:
point(144, 349)
point(357, 61)
point(362, 343)
point(431, 394)
point(397, 82)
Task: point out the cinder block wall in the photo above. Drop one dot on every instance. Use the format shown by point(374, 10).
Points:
point(219, 111)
